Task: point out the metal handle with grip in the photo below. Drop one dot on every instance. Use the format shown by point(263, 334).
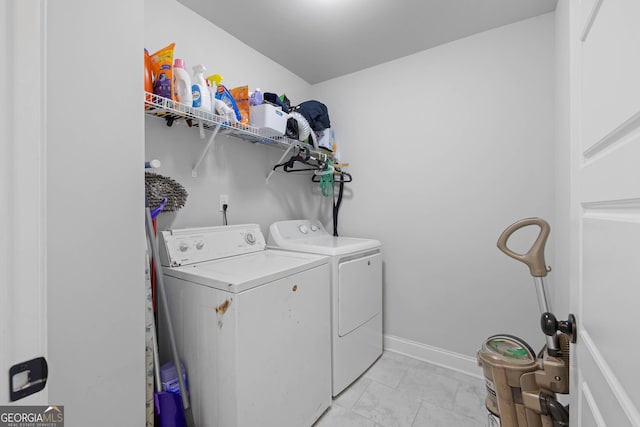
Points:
point(534, 258)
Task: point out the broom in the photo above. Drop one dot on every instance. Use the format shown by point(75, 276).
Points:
point(170, 412)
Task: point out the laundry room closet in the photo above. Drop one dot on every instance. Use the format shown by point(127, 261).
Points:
point(446, 147)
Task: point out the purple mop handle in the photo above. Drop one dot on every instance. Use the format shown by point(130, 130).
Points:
point(155, 212)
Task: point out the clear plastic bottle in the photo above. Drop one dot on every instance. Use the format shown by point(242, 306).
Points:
point(182, 83)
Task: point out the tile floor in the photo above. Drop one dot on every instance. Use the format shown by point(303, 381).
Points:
point(399, 391)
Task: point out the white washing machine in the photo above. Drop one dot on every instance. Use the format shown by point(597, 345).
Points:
point(252, 327)
point(356, 293)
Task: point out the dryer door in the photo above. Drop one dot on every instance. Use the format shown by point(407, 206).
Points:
point(359, 292)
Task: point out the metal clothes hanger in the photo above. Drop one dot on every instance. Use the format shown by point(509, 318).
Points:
point(344, 176)
point(303, 156)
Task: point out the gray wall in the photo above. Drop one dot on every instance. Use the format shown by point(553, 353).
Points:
point(448, 147)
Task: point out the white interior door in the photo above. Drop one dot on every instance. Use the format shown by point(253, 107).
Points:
point(605, 140)
point(71, 204)
point(23, 328)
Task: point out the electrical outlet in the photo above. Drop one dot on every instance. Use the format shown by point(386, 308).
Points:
point(224, 200)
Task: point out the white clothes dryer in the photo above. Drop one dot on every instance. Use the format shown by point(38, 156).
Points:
point(252, 327)
point(356, 293)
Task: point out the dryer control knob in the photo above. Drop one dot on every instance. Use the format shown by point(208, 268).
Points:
point(199, 245)
point(314, 227)
point(303, 229)
point(250, 238)
point(183, 247)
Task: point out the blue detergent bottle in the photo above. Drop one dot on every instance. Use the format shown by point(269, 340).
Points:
point(222, 93)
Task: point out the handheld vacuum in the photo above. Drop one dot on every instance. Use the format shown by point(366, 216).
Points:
point(521, 386)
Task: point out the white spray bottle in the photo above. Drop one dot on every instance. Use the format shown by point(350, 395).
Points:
point(200, 90)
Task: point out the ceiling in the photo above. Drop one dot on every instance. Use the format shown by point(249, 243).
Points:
point(322, 39)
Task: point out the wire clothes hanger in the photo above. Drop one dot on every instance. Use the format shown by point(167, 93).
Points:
point(303, 156)
point(327, 183)
point(324, 172)
point(344, 176)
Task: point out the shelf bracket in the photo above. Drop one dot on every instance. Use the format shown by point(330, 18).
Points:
point(201, 126)
point(279, 161)
point(194, 171)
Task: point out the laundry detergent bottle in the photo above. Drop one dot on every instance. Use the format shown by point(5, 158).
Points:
point(222, 93)
point(200, 90)
point(182, 83)
point(256, 97)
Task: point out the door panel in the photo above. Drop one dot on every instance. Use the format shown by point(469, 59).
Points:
point(605, 117)
point(610, 269)
point(591, 414)
point(610, 175)
point(603, 394)
point(610, 84)
point(359, 292)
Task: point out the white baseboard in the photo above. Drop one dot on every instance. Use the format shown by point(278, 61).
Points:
point(437, 356)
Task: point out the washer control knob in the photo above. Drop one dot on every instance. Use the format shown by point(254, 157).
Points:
point(303, 229)
point(314, 227)
point(183, 247)
point(199, 245)
point(250, 238)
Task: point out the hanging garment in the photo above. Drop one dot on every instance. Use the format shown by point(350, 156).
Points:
point(316, 114)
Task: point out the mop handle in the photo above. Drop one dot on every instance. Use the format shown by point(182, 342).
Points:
point(165, 307)
point(534, 258)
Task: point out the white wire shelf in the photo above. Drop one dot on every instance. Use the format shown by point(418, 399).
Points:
point(173, 111)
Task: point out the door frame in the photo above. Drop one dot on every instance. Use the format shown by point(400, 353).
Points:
point(23, 306)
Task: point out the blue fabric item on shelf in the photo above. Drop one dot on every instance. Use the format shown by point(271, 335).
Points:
point(316, 114)
point(275, 99)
